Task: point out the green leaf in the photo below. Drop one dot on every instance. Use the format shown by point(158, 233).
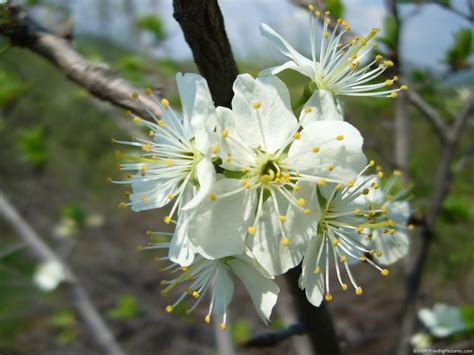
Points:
point(336, 7)
point(457, 55)
point(126, 308)
point(32, 145)
point(467, 315)
point(152, 24)
point(11, 88)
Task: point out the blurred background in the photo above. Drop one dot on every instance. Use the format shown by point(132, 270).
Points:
point(56, 158)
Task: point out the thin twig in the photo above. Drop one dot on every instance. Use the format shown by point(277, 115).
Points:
point(81, 300)
point(101, 82)
point(274, 338)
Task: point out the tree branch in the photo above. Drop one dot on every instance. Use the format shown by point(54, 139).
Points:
point(203, 27)
point(101, 82)
point(274, 338)
point(81, 300)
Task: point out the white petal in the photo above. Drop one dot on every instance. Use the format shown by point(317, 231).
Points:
point(157, 199)
point(287, 50)
point(49, 275)
point(181, 250)
point(263, 291)
point(345, 156)
point(206, 176)
point(311, 282)
point(267, 245)
point(198, 109)
point(223, 291)
point(393, 247)
point(300, 224)
point(306, 70)
point(323, 108)
point(273, 123)
point(218, 228)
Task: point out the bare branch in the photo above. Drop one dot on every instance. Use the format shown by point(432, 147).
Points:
point(434, 118)
point(203, 28)
point(273, 338)
point(101, 82)
point(84, 306)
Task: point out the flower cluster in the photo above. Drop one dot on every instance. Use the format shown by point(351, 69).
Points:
point(256, 190)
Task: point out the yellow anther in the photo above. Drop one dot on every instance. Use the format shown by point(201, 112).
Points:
point(388, 82)
point(316, 149)
point(265, 179)
point(296, 188)
point(391, 223)
point(225, 133)
point(301, 202)
point(151, 133)
point(142, 197)
point(140, 248)
point(170, 196)
point(372, 252)
point(161, 123)
point(317, 270)
point(228, 159)
point(325, 34)
point(365, 191)
point(195, 294)
point(169, 308)
point(256, 105)
point(252, 230)
point(128, 113)
point(394, 94)
point(411, 227)
point(379, 253)
point(163, 282)
point(362, 258)
point(146, 147)
point(169, 162)
point(128, 176)
point(212, 197)
point(327, 13)
point(215, 149)
point(359, 291)
point(308, 109)
point(352, 66)
point(167, 219)
point(108, 179)
point(165, 102)
point(351, 183)
point(113, 140)
point(285, 242)
point(223, 326)
point(322, 182)
point(136, 119)
point(344, 287)
point(328, 21)
point(122, 205)
point(339, 186)
point(340, 137)
point(318, 14)
point(282, 219)
point(207, 319)
point(310, 7)
point(397, 173)
point(395, 78)
point(375, 185)
point(330, 167)
point(135, 95)
point(328, 297)
point(404, 87)
point(380, 174)
point(371, 163)
point(148, 92)
point(184, 269)
point(343, 259)
point(307, 211)
point(297, 135)
point(388, 63)
point(385, 272)
point(335, 242)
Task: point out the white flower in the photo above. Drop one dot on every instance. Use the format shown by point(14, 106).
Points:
point(442, 320)
point(49, 275)
point(420, 341)
point(336, 236)
point(176, 163)
point(215, 276)
point(339, 68)
point(267, 152)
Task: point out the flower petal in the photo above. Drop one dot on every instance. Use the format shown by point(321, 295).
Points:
point(273, 123)
point(206, 176)
point(306, 70)
point(181, 250)
point(323, 108)
point(218, 228)
point(339, 146)
point(263, 291)
point(223, 291)
point(313, 283)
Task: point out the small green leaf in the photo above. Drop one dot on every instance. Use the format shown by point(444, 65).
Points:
point(152, 24)
point(457, 55)
point(32, 145)
point(126, 308)
point(64, 319)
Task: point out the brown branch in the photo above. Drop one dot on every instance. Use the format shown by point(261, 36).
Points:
point(81, 300)
point(434, 118)
point(203, 28)
point(274, 338)
point(101, 82)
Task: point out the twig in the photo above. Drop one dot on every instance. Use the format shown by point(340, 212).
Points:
point(203, 28)
point(101, 82)
point(273, 338)
point(81, 300)
point(439, 125)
